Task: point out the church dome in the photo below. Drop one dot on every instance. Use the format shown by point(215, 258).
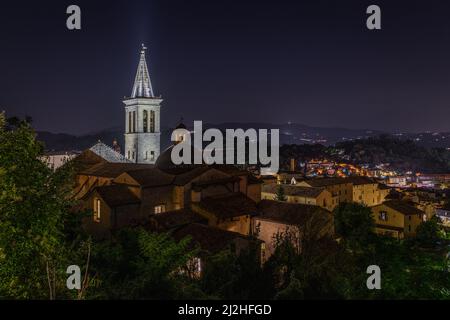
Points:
point(180, 126)
point(165, 163)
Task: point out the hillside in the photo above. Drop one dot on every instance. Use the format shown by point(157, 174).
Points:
point(405, 155)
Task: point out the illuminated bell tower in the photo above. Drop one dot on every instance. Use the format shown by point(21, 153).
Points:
point(142, 118)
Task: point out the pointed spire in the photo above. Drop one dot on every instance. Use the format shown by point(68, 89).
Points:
point(142, 84)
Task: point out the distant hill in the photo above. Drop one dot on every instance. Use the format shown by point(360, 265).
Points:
point(289, 134)
point(404, 155)
point(397, 154)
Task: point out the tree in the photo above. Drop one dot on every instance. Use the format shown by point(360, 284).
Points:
point(280, 195)
point(446, 205)
point(2, 120)
point(34, 206)
point(308, 263)
point(428, 232)
point(228, 275)
point(354, 223)
point(137, 264)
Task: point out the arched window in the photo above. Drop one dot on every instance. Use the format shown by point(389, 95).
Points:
point(152, 121)
point(129, 122)
point(145, 120)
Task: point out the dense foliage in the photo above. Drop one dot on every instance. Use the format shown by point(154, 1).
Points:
point(34, 215)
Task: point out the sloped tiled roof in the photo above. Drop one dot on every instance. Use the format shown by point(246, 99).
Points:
point(293, 190)
point(229, 206)
point(208, 238)
point(151, 177)
point(112, 170)
point(289, 213)
point(403, 207)
point(172, 219)
point(219, 181)
point(108, 153)
point(324, 182)
point(117, 195)
point(186, 177)
point(360, 180)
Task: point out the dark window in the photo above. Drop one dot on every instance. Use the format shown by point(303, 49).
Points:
point(129, 122)
point(145, 121)
point(152, 121)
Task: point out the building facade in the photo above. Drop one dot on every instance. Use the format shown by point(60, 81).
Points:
point(396, 218)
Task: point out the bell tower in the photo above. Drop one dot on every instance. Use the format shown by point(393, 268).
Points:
point(142, 118)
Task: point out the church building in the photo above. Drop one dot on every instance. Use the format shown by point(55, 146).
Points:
point(142, 118)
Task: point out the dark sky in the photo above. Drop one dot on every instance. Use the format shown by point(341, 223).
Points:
point(311, 62)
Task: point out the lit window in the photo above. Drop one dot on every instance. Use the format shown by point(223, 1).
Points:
point(97, 210)
point(383, 216)
point(160, 209)
point(263, 251)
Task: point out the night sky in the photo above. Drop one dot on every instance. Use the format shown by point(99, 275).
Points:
point(312, 62)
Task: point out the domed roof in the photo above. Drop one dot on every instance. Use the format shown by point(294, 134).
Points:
point(180, 126)
point(165, 163)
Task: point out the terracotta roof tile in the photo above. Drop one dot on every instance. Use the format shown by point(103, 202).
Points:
point(117, 195)
point(111, 170)
point(293, 190)
point(403, 207)
point(229, 206)
point(324, 182)
point(208, 238)
point(173, 219)
point(289, 213)
point(151, 177)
